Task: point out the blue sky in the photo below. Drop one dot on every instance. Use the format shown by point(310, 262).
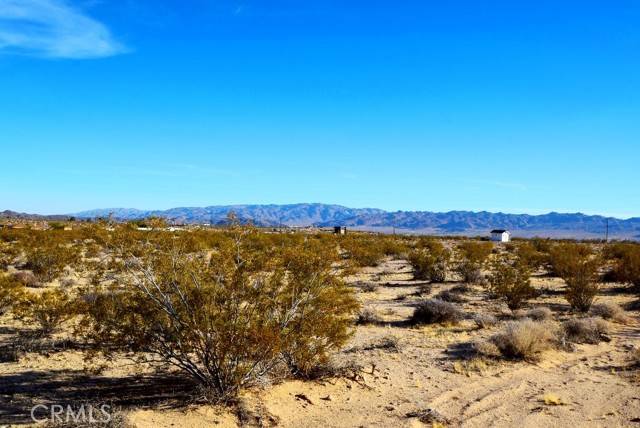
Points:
point(415, 105)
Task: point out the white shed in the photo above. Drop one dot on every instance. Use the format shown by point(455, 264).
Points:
point(500, 235)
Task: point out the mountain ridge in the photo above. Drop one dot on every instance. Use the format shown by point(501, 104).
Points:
point(552, 224)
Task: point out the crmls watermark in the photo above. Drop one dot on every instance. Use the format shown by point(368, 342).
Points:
point(85, 413)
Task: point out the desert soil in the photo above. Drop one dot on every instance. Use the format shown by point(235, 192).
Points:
point(592, 386)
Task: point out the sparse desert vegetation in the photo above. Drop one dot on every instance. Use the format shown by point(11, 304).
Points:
point(239, 325)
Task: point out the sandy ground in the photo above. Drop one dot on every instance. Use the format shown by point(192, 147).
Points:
point(596, 384)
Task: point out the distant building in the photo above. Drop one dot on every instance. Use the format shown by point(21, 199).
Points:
point(340, 230)
point(500, 235)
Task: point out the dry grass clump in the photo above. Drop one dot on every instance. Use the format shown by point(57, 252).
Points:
point(368, 316)
point(26, 278)
point(525, 339)
point(485, 320)
point(388, 343)
point(486, 348)
point(541, 313)
point(451, 296)
point(610, 311)
point(435, 311)
point(586, 330)
point(368, 287)
point(635, 356)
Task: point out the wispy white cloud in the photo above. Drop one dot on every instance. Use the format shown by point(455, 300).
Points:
point(53, 29)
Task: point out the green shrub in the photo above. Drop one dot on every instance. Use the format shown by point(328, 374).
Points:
point(430, 262)
point(628, 266)
point(363, 250)
point(47, 256)
point(564, 257)
point(48, 310)
point(582, 283)
point(511, 283)
point(11, 291)
point(472, 257)
point(228, 317)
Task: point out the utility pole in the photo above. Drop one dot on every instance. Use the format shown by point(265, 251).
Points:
point(606, 236)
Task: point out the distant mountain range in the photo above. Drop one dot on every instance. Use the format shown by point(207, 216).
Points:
point(447, 223)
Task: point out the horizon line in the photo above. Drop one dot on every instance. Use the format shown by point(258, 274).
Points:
point(72, 214)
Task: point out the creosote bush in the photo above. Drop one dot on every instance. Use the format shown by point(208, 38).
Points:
point(582, 283)
point(627, 268)
point(510, 281)
point(435, 311)
point(225, 317)
point(11, 292)
point(430, 261)
point(564, 257)
point(362, 250)
point(529, 255)
point(48, 310)
point(47, 254)
point(472, 257)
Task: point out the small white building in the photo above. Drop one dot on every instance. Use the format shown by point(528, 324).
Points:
point(500, 235)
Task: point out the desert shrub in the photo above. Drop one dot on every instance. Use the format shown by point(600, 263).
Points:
point(11, 291)
point(362, 250)
point(450, 296)
point(48, 310)
point(475, 251)
point(541, 313)
point(392, 245)
point(434, 311)
point(485, 320)
point(430, 261)
point(581, 277)
point(470, 272)
point(486, 348)
point(8, 254)
point(389, 343)
point(609, 311)
point(530, 256)
point(525, 339)
point(472, 256)
point(511, 283)
point(368, 316)
point(26, 278)
point(585, 330)
point(564, 257)
point(47, 256)
point(424, 289)
point(368, 287)
point(627, 268)
point(228, 319)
